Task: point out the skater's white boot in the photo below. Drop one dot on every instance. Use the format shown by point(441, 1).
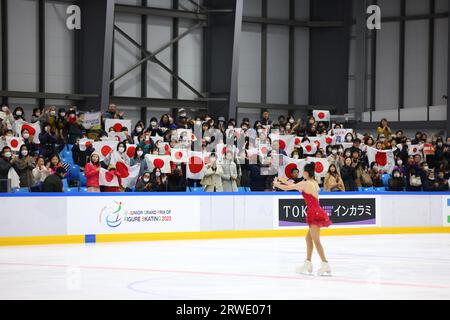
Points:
point(306, 268)
point(324, 269)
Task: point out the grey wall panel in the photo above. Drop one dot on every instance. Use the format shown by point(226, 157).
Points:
point(389, 8)
point(387, 66)
point(129, 2)
point(22, 55)
point(278, 9)
point(441, 6)
point(125, 55)
point(440, 61)
point(351, 96)
point(252, 8)
point(59, 50)
point(190, 60)
point(159, 81)
point(417, 6)
point(277, 64)
point(302, 9)
point(416, 63)
point(249, 82)
point(161, 3)
point(301, 75)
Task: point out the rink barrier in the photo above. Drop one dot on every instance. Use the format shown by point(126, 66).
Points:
point(210, 235)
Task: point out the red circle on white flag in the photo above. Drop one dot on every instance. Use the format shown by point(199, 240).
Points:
point(319, 167)
point(14, 143)
point(195, 164)
point(117, 127)
point(289, 167)
point(321, 115)
point(158, 163)
point(178, 155)
point(282, 144)
point(130, 151)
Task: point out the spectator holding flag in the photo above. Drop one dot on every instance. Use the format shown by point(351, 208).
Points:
point(92, 171)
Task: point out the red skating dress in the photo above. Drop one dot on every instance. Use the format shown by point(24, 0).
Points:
point(314, 213)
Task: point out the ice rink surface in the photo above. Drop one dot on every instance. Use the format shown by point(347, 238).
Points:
point(364, 267)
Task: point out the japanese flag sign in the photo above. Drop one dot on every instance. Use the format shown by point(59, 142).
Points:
point(178, 155)
point(131, 149)
point(297, 141)
point(119, 136)
point(14, 143)
point(339, 135)
point(309, 147)
point(34, 129)
point(194, 166)
point(108, 178)
point(263, 149)
point(164, 148)
point(130, 176)
point(319, 141)
point(117, 124)
point(414, 149)
point(321, 115)
point(284, 170)
point(329, 140)
point(185, 135)
point(156, 139)
point(158, 161)
point(84, 143)
point(103, 148)
point(383, 158)
point(322, 165)
point(285, 143)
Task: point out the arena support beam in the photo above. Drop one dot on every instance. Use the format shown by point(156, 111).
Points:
point(329, 52)
point(221, 62)
point(94, 52)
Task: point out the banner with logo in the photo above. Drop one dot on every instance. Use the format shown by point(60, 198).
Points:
point(346, 211)
point(133, 214)
point(91, 120)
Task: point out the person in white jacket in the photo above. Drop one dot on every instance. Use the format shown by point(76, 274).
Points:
point(212, 179)
point(229, 175)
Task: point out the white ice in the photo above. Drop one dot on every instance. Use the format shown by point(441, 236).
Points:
point(364, 267)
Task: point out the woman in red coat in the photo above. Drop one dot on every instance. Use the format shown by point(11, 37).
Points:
point(91, 171)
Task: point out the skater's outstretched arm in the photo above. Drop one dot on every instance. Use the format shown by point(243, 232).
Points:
point(289, 187)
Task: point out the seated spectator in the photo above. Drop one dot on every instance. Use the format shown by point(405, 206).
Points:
point(396, 182)
point(429, 182)
point(92, 172)
point(39, 173)
point(5, 166)
point(24, 165)
point(295, 176)
point(176, 182)
point(28, 141)
point(376, 175)
point(414, 181)
point(229, 173)
point(54, 183)
point(442, 182)
point(333, 182)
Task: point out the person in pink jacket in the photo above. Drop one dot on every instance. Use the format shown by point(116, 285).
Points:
point(91, 171)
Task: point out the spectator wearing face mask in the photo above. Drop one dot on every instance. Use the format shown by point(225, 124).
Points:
point(73, 127)
point(19, 114)
point(439, 153)
point(137, 131)
point(139, 159)
point(92, 173)
point(399, 166)
point(144, 183)
point(36, 115)
point(48, 141)
point(39, 173)
point(334, 158)
point(61, 120)
point(396, 181)
point(5, 166)
point(146, 143)
point(165, 123)
point(383, 128)
point(212, 178)
point(24, 165)
point(229, 173)
point(154, 128)
point(159, 181)
point(333, 181)
point(119, 153)
point(348, 175)
point(429, 183)
point(28, 141)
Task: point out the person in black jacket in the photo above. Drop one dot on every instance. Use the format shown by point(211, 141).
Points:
point(348, 175)
point(53, 183)
point(176, 182)
point(257, 181)
point(48, 141)
point(396, 182)
point(5, 165)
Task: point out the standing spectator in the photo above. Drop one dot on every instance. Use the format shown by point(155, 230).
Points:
point(28, 141)
point(442, 182)
point(429, 183)
point(363, 178)
point(265, 121)
point(335, 159)
point(396, 182)
point(139, 158)
point(24, 165)
point(92, 172)
point(116, 187)
point(383, 128)
point(112, 113)
point(5, 165)
point(212, 179)
point(53, 183)
point(348, 174)
point(158, 180)
point(73, 127)
point(333, 182)
point(48, 141)
point(40, 173)
point(144, 184)
point(176, 181)
point(55, 163)
point(229, 175)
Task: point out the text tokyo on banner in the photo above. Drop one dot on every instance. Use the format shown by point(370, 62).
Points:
point(105, 215)
point(347, 211)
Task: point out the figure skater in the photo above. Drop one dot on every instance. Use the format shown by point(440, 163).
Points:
point(316, 217)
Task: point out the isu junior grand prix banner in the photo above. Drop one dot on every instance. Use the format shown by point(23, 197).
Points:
point(343, 211)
